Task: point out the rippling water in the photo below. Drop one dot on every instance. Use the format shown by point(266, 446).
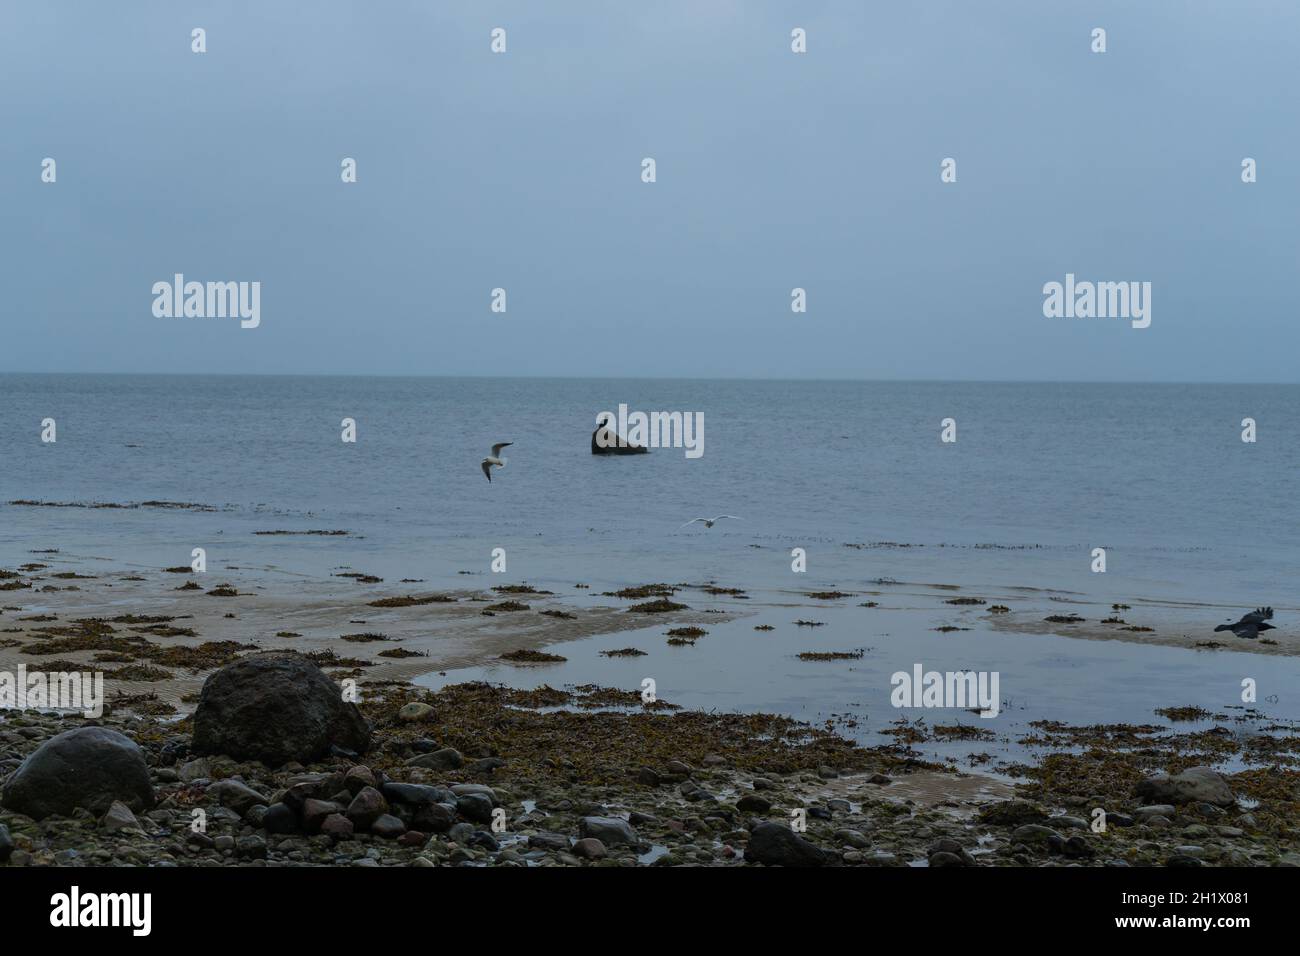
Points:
point(1040, 475)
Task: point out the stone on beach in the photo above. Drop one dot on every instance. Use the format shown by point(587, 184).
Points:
point(775, 844)
point(366, 807)
point(1193, 785)
point(414, 711)
point(238, 796)
point(448, 758)
point(89, 767)
point(611, 831)
point(119, 817)
point(276, 708)
point(590, 849)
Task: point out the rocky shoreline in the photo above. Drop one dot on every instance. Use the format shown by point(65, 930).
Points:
point(485, 776)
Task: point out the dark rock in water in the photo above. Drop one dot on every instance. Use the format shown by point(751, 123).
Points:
point(275, 708)
point(1193, 785)
point(607, 441)
point(610, 831)
point(88, 767)
point(280, 818)
point(6, 843)
point(944, 858)
point(777, 845)
point(484, 841)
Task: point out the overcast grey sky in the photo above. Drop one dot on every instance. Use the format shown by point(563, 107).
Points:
point(775, 170)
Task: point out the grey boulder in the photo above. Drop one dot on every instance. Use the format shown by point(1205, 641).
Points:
point(89, 767)
point(1194, 785)
point(276, 708)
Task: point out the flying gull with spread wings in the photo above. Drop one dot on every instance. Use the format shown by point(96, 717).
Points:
point(709, 522)
point(495, 460)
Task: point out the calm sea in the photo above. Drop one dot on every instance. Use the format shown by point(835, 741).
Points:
point(1040, 475)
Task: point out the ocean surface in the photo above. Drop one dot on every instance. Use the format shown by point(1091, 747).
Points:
point(854, 473)
point(1040, 475)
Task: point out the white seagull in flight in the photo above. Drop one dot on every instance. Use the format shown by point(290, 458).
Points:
point(495, 459)
point(709, 522)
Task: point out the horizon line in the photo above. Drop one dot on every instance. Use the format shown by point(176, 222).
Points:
point(664, 378)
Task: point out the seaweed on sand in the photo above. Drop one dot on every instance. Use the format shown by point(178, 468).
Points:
point(409, 601)
point(644, 591)
point(691, 632)
point(830, 655)
point(327, 658)
point(525, 656)
point(401, 653)
point(661, 606)
point(505, 606)
point(139, 672)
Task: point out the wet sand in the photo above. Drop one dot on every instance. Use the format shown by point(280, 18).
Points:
point(276, 610)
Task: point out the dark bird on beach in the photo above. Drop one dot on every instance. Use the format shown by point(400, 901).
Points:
point(495, 459)
point(1250, 624)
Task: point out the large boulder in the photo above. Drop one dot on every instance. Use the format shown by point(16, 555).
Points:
point(89, 767)
point(276, 708)
point(1194, 785)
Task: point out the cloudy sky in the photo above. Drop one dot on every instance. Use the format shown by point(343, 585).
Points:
point(775, 171)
